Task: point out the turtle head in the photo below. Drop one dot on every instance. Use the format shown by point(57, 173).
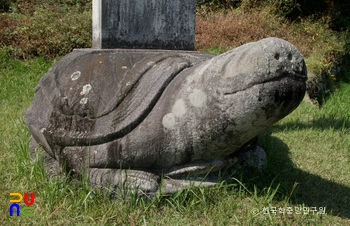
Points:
point(259, 83)
point(270, 73)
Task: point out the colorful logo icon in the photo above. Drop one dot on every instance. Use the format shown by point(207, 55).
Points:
point(24, 210)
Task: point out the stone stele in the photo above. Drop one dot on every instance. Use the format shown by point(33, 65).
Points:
point(144, 24)
point(151, 121)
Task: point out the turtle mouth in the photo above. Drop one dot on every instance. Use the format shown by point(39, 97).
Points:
point(298, 76)
point(294, 77)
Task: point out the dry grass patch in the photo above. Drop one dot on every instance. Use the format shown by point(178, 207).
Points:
point(230, 29)
point(234, 28)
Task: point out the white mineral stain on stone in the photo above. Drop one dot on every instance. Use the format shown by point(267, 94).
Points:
point(198, 98)
point(76, 75)
point(86, 89)
point(179, 109)
point(84, 100)
point(151, 63)
point(169, 121)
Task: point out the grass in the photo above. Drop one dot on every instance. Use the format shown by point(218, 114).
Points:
point(312, 147)
point(308, 164)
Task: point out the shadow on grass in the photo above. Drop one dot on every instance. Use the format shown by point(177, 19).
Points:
point(312, 190)
point(323, 123)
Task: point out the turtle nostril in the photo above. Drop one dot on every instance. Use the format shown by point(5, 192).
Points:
point(277, 56)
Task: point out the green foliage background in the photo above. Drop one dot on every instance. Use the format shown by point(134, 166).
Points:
point(52, 28)
point(45, 28)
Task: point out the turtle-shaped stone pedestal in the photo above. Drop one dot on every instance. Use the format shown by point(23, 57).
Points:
point(128, 118)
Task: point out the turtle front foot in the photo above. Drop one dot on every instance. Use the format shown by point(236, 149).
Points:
point(121, 181)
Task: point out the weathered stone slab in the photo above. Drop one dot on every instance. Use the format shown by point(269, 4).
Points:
point(144, 24)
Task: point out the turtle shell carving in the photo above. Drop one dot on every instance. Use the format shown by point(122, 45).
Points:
point(107, 95)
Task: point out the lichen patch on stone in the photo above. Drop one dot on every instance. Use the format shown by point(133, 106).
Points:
point(86, 89)
point(151, 63)
point(75, 76)
point(169, 121)
point(198, 98)
point(84, 100)
point(179, 109)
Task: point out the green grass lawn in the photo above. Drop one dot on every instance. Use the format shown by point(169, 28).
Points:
point(308, 168)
